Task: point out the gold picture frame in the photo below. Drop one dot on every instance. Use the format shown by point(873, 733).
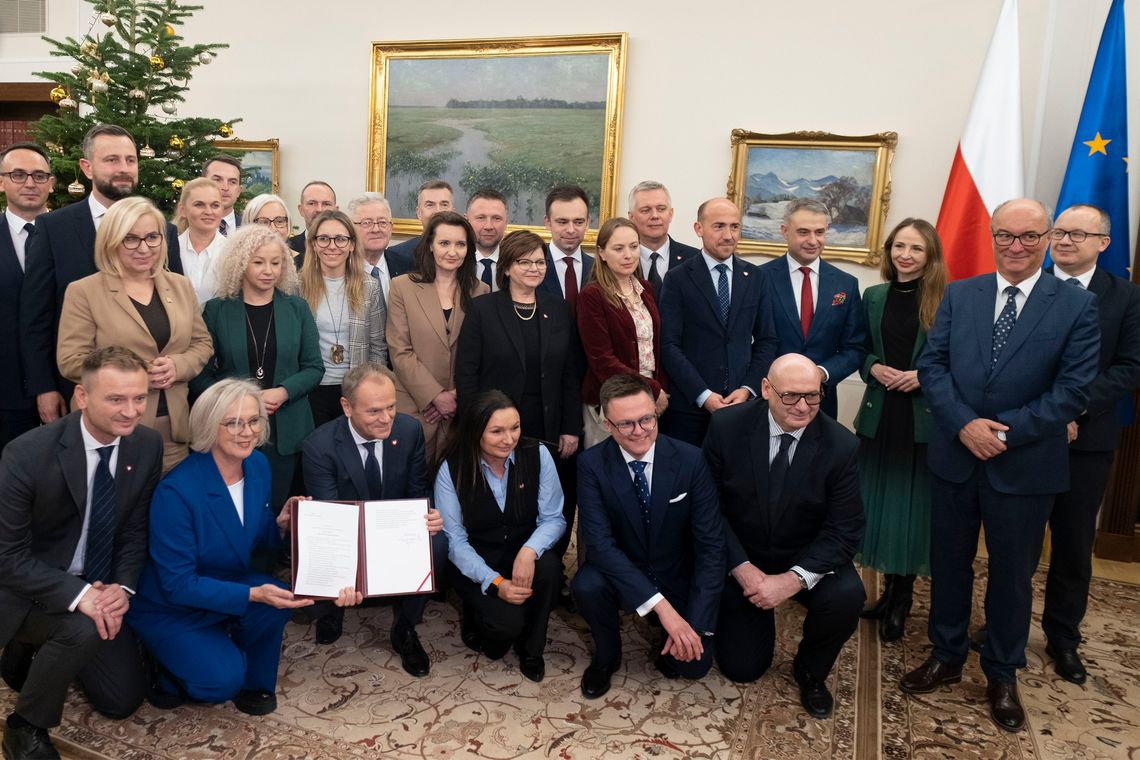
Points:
point(518, 114)
point(850, 174)
point(260, 164)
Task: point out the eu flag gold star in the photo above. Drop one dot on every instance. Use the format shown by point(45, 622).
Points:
point(1096, 145)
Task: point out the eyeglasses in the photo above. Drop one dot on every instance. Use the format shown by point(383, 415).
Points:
point(625, 427)
point(1028, 239)
point(132, 242)
point(275, 221)
point(19, 176)
point(235, 426)
point(380, 224)
point(791, 398)
point(340, 241)
point(1077, 236)
point(528, 264)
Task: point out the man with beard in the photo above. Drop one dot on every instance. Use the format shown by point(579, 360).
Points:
point(62, 250)
point(487, 212)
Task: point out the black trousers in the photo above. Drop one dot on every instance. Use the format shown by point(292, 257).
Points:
point(1015, 528)
point(568, 479)
point(501, 623)
point(688, 425)
point(15, 422)
point(68, 648)
point(598, 603)
point(1072, 526)
point(746, 634)
point(324, 400)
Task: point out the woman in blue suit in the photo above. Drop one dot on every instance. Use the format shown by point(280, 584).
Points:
point(213, 625)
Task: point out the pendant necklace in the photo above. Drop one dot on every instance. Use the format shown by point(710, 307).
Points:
point(336, 350)
point(259, 355)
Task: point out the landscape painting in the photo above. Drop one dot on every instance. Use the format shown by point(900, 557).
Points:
point(519, 116)
point(260, 167)
point(849, 175)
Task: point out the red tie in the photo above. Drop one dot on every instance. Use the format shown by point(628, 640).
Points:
point(806, 305)
point(571, 284)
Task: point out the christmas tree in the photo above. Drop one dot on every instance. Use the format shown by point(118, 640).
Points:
point(132, 68)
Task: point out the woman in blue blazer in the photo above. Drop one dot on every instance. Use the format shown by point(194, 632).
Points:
point(214, 625)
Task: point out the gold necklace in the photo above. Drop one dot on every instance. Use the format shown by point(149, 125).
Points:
point(519, 314)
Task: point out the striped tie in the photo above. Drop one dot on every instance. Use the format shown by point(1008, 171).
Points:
point(101, 523)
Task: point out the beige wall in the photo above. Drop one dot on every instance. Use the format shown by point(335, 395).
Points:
point(299, 71)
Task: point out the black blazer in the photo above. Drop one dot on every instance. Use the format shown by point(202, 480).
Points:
point(13, 389)
point(43, 496)
point(552, 284)
point(679, 253)
point(61, 252)
point(334, 470)
point(405, 250)
point(1118, 370)
point(818, 521)
point(489, 354)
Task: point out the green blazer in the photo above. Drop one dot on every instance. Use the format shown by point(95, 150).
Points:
point(299, 366)
point(871, 409)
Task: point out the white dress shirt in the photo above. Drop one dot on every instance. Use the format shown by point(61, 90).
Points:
point(662, 261)
point(231, 222)
point(97, 210)
point(18, 233)
point(385, 275)
point(560, 267)
point(199, 266)
point(1024, 288)
point(494, 258)
point(237, 495)
point(1083, 279)
point(360, 440)
point(91, 447)
point(798, 281)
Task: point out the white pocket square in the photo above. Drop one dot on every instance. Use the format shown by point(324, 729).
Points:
point(676, 499)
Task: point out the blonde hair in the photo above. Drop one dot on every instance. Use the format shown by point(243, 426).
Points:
point(180, 220)
point(240, 247)
point(313, 282)
point(210, 409)
point(601, 272)
point(117, 224)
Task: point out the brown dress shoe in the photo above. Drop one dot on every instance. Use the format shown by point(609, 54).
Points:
point(1005, 705)
point(929, 676)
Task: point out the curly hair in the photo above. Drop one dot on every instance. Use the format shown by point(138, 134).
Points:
point(240, 247)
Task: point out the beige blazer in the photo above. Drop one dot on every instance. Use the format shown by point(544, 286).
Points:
point(98, 312)
point(422, 349)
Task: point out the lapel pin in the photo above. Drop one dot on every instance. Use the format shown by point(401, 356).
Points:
point(130, 467)
point(522, 486)
point(546, 316)
point(394, 441)
point(168, 298)
point(744, 273)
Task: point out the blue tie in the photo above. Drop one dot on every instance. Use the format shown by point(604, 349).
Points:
point(722, 292)
point(1075, 281)
point(486, 276)
point(1004, 324)
point(372, 472)
point(101, 522)
point(641, 485)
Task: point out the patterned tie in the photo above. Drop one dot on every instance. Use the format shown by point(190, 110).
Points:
point(372, 472)
point(807, 308)
point(1004, 324)
point(778, 470)
point(375, 272)
point(641, 486)
point(571, 284)
point(223, 227)
point(655, 276)
point(486, 276)
point(722, 292)
point(101, 522)
point(1074, 281)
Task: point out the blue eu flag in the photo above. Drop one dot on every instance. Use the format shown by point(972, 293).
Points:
point(1098, 163)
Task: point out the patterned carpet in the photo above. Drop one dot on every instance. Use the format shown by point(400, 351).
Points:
point(353, 700)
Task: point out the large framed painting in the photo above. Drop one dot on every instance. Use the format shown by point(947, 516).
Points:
point(260, 164)
point(519, 115)
point(850, 175)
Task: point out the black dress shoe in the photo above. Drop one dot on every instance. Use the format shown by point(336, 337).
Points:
point(596, 679)
point(1005, 705)
point(665, 666)
point(814, 696)
point(929, 676)
point(1068, 664)
point(15, 664)
point(978, 639)
point(534, 668)
point(28, 743)
point(406, 643)
point(254, 702)
point(470, 634)
point(330, 626)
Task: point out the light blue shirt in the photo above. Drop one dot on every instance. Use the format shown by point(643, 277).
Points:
point(551, 524)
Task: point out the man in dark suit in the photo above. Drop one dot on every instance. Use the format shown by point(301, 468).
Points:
point(716, 326)
point(434, 196)
point(73, 539)
point(224, 170)
point(789, 488)
point(342, 462)
point(487, 213)
point(372, 215)
point(816, 305)
point(1007, 366)
point(317, 196)
point(651, 210)
point(26, 181)
point(63, 250)
point(654, 538)
point(567, 265)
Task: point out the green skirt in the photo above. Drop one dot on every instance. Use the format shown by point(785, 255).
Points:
point(895, 484)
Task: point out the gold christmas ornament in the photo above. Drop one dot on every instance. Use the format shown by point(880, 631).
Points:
point(226, 130)
point(136, 94)
point(170, 107)
point(177, 185)
point(98, 82)
point(88, 48)
point(76, 189)
point(68, 104)
point(146, 151)
point(54, 147)
point(157, 63)
point(57, 94)
point(108, 19)
point(168, 31)
point(176, 142)
point(206, 58)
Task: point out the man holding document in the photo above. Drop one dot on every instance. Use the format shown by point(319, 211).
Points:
point(374, 453)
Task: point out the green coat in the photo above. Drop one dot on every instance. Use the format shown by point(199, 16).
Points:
point(871, 408)
point(299, 366)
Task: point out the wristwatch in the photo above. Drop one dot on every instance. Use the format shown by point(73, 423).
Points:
point(802, 580)
point(494, 587)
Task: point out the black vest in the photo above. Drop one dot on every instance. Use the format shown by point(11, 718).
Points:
point(498, 535)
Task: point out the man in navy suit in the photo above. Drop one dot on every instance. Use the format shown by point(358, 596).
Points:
point(717, 339)
point(63, 250)
point(26, 181)
point(1007, 365)
point(374, 453)
point(651, 211)
point(317, 196)
point(567, 265)
point(434, 196)
point(372, 215)
point(816, 306)
point(224, 170)
point(654, 539)
point(487, 213)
